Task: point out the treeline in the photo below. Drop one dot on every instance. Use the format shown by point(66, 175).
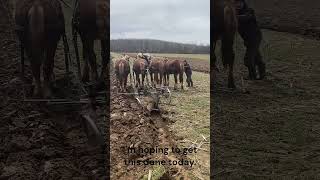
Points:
point(156, 46)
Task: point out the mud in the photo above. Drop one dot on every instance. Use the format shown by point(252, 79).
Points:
point(38, 142)
point(132, 126)
point(294, 16)
point(269, 128)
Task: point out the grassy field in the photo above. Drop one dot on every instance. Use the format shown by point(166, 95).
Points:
point(190, 112)
point(205, 57)
point(198, 62)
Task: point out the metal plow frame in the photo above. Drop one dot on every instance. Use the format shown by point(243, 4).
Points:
point(89, 95)
point(157, 94)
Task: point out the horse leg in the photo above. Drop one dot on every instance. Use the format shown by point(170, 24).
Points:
point(250, 62)
point(22, 61)
point(93, 61)
point(157, 78)
point(125, 82)
point(85, 71)
point(138, 80)
point(143, 77)
point(215, 67)
point(261, 66)
point(181, 79)
point(104, 56)
point(228, 58)
point(161, 76)
point(175, 81)
point(48, 68)
point(151, 78)
point(36, 74)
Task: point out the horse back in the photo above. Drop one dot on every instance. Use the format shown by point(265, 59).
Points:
point(53, 15)
point(139, 66)
point(173, 66)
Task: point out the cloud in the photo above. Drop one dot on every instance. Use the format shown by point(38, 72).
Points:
point(186, 21)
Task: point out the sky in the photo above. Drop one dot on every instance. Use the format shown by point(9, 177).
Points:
point(183, 21)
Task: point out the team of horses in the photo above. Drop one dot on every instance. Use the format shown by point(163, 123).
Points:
point(159, 70)
point(40, 24)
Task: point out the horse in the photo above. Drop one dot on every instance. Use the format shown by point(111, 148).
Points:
point(140, 66)
point(122, 70)
point(176, 68)
point(224, 28)
point(91, 21)
point(39, 25)
point(188, 71)
point(157, 71)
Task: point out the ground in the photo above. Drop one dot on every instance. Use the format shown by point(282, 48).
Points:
point(183, 123)
point(269, 128)
point(40, 142)
point(294, 16)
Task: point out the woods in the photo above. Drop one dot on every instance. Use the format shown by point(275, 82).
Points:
point(156, 46)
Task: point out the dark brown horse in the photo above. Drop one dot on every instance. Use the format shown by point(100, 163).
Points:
point(157, 71)
point(224, 28)
point(39, 25)
point(176, 68)
point(122, 70)
point(91, 21)
point(140, 67)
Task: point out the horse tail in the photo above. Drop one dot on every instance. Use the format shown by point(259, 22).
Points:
point(230, 19)
point(121, 68)
point(36, 31)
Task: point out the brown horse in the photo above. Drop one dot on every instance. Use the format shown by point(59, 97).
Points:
point(224, 28)
point(157, 71)
point(39, 25)
point(176, 68)
point(91, 21)
point(140, 67)
point(122, 70)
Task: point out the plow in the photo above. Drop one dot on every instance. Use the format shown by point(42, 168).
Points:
point(149, 96)
point(84, 96)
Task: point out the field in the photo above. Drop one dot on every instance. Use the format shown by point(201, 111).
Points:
point(199, 62)
point(271, 130)
point(183, 123)
point(294, 16)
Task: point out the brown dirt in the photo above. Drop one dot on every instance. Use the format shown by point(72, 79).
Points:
point(36, 141)
point(132, 126)
point(294, 16)
point(271, 130)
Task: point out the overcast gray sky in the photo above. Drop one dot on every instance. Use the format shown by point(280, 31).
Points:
point(186, 21)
